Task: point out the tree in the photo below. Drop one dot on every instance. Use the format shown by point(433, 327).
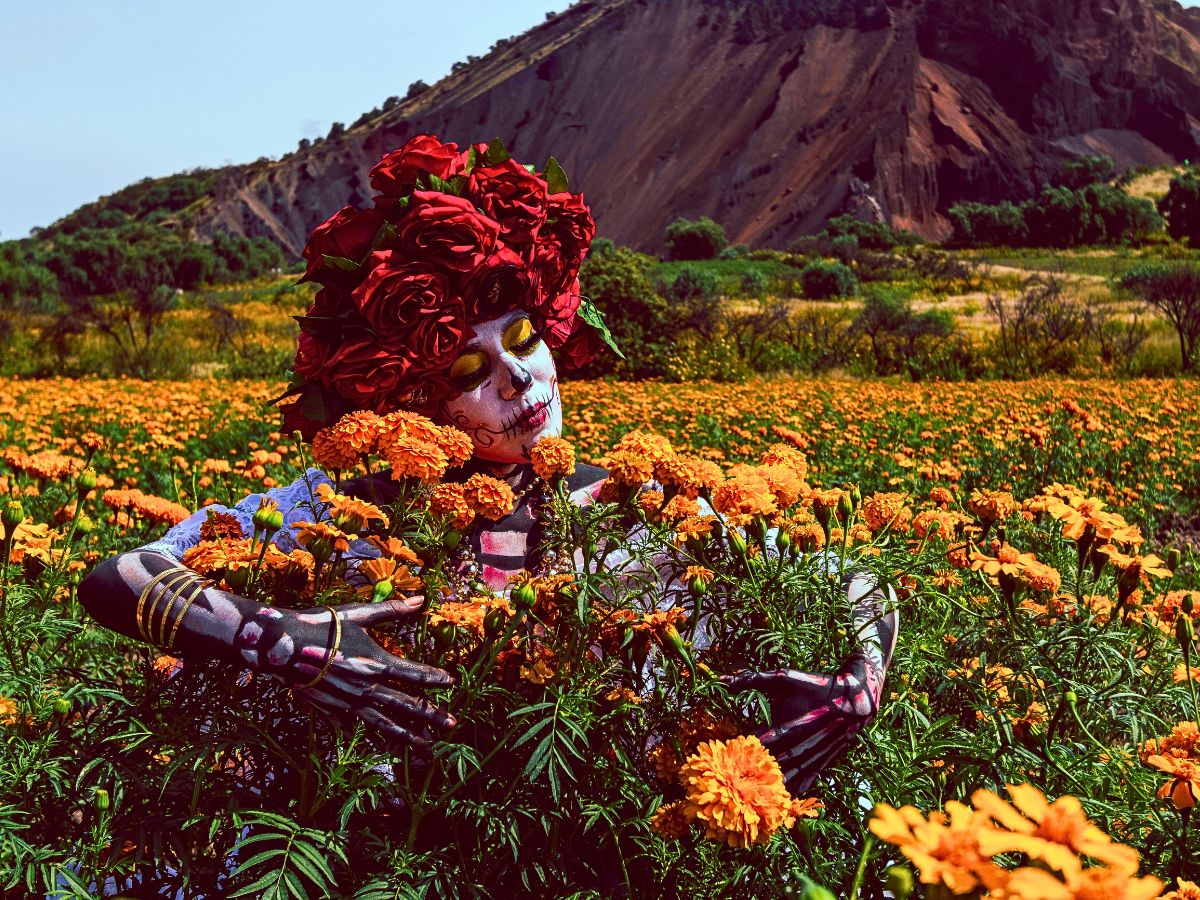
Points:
point(821, 281)
point(1174, 291)
point(695, 239)
point(1042, 330)
point(1084, 170)
point(902, 339)
point(983, 224)
point(1181, 207)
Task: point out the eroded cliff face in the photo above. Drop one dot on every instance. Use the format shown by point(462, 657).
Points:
point(770, 116)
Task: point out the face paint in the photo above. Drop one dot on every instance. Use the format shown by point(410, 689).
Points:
point(509, 390)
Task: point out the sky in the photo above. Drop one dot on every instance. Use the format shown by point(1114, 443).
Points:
point(97, 94)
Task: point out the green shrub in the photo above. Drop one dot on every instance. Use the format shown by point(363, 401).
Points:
point(695, 239)
point(984, 224)
point(1181, 207)
point(821, 280)
point(734, 251)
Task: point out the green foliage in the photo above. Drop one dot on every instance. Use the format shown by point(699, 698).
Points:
point(988, 225)
point(902, 340)
point(870, 235)
point(1082, 171)
point(1181, 207)
point(1174, 291)
point(1041, 330)
point(821, 280)
point(699, 239)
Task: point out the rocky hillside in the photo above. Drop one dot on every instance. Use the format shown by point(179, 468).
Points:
point(772, 115)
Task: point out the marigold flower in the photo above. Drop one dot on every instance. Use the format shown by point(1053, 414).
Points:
point(394, 548)
point(331, 452)
point(449, 500)
point(357, 432)
point(745, 496)
point(735, 790)
point(413, 458)
point(1183, 672)
point(677, 508)
point(787, 456)
point(943, 497)
point(694, 527)
point(630, 468)
point(221, 525)
point(411, 425)
point(645, 444)
point(455, 444)
point(1185, 778)
point(672, 820)
point(308, 533)
point(489, 497)
point(1060, 832)
point(649, 502)
point(885, 510)
point(350, 513)
point(469, 615)
point(383, 569)
point(8, 711)
point(1184, 890)
point(945, 847)
point(1041, 578)
point(552, 457)
point(992, 506)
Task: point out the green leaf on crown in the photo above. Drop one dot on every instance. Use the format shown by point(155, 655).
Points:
point(339, 262)
point(556, 178)
point(496, 152)
point(385, 236)
point(453, 186)
point(472, 159)
point(590, 313)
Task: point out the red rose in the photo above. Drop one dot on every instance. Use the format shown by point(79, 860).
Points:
point(573, 222)
point(366, 373)
point(464, 157)
point(311, 356)
point(423, 394)
point(556, 318)
point(513, 196)
point(580, 348)
point(502, 282)
point(411, 309)
point(348, 233)
point(397, 172)
point(556, 273)
point(446, 231)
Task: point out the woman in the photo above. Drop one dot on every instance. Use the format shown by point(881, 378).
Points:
point(446, 298)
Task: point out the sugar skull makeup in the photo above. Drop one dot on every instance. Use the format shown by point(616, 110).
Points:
point(507, 389)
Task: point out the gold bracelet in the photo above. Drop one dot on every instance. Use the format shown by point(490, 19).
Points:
point(167, 573)
point(205, 585)
point(177, 587)
point(337, 643)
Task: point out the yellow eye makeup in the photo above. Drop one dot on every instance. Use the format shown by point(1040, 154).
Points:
point(519, 338)
point(468, 370)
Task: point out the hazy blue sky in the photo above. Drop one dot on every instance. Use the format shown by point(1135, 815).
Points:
point(96, 94)
point(100, 93)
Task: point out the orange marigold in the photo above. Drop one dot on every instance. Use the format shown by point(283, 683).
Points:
point(350, 513)
point(1185, 779)
point(745, 496)
point(735, 790)
point(488, 496)
point(1184, 890)
point(552, 457)
point(450, 501)
point(886, 510)
point(992, 506)
point(787, 456)
point(330, 452)
point(672, 820)
point(413, 458)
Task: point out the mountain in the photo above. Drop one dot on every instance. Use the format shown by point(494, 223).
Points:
point(770, 116)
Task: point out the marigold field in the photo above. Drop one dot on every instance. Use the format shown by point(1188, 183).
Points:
point(1037, 736)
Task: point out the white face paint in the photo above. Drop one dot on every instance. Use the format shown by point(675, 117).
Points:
point(509, 387)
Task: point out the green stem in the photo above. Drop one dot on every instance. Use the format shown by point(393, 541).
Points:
point(860, 872)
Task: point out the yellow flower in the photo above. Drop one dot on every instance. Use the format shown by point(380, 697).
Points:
point(1185, 779)
point(551, 457)
point(744, 497)
point(992, 506)
point(1184, 890)
point(383, 569)
point(8, 712)
point(350, 513)
point(945, 847)
point(885, 510)
point(735, 790)
point(1060, 832)
point(788, 456)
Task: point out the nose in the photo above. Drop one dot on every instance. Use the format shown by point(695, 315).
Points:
point(519, 381)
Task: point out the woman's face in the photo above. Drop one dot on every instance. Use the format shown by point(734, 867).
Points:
point(509, 389)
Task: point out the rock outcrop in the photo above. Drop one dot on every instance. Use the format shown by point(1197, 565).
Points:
point(770, 116)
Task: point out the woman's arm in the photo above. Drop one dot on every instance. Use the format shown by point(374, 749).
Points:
point(145, 594)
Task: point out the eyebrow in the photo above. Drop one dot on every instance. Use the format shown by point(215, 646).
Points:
point(473, 346)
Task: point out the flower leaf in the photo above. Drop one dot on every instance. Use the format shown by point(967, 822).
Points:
point(556, 178)
point(496, 152)
point(590, 313)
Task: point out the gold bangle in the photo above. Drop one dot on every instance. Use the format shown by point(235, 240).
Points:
point(146, 591)
point(337, 643)
point(178, 587)
point(205, 585)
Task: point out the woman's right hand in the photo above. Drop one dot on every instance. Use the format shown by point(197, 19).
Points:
point(362, 681)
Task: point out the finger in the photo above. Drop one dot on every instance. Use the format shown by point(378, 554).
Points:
point(390, 729)
point(415, 673)
point(391, 610)
point(410, 707)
